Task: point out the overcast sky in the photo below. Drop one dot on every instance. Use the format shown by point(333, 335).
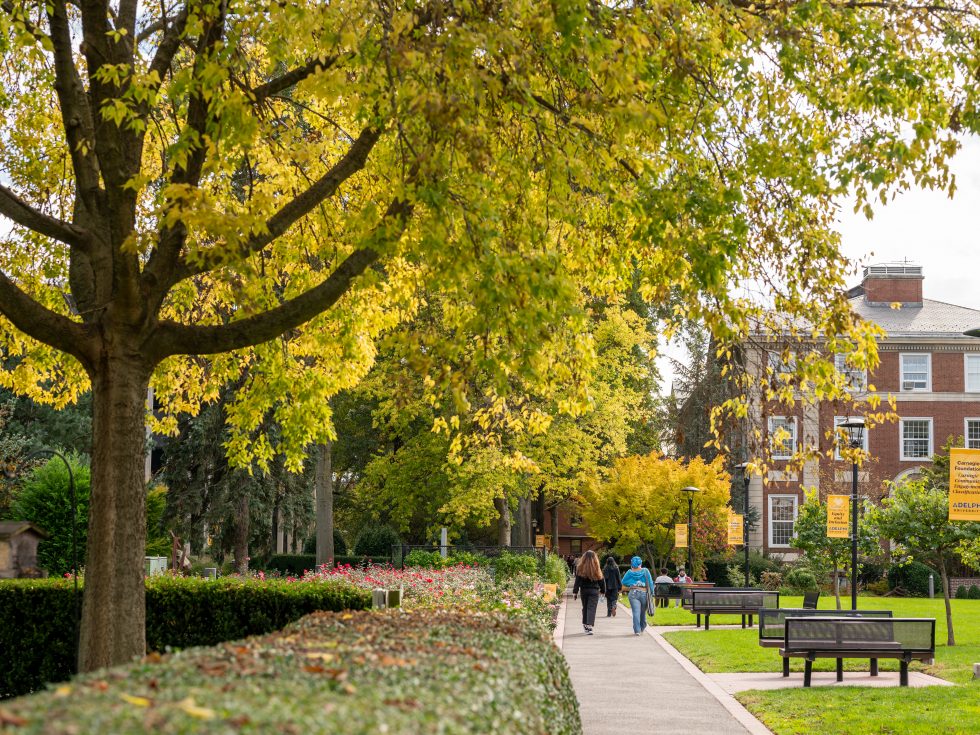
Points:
point(928, 228)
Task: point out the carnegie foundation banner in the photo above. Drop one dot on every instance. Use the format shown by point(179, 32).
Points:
point(838, 509)
point(680, 536)
point(964, 484)
point(735, 533)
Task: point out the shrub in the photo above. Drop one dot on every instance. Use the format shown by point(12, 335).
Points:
point(357, 674)
point(716, 567)
point(180, 612)
point(556, 571)
point(509, 565)
point(912, 578)
point(45, 500)
point(974, 593)
point(801, 579)
point(877, 588)
point(771, 581)
point(962, 593)
point(736, 576)
point(293, 565)
point(420, 558)
point(376, 541)
point(469, 558)
point(339, 544)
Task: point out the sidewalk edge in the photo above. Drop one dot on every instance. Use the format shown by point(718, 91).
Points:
point(749, 721)
point(559, 632)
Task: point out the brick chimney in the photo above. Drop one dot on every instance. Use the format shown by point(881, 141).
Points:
point(887, 283)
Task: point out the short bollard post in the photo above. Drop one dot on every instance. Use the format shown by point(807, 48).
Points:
point(932, 587)
point(210, 572)
point(379, 598)
point(976, 671)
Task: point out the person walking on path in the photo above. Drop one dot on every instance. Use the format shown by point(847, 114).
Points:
point(591, 583)
point(639, 585)
point(614, 584)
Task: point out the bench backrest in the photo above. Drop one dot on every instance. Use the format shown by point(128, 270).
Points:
point(772, 623)
point(688, 590)
point(712, 600)
point(912, 635)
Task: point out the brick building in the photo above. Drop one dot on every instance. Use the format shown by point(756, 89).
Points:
point(573, 533)
point(926, 363)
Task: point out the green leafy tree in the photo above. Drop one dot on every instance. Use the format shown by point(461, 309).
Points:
point(916, 518)
point(829, 556)
point(638, 506)
point(185, 183)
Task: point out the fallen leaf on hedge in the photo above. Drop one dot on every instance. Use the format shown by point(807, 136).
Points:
point(387, 660)
point(152, 658)
point(9, 718)
point(314, 669)
point(325, 657)
point(350, 688)
point(62, 691)
point(202, 713)
point(101, 685)
point(213, 668)
point(138, 701)
point(347, 616)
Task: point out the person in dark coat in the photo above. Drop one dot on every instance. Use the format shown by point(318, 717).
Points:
point(614, 584)
point(590, 582)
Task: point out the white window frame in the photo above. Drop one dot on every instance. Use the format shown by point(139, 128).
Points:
point(966, 372)
point(796, 512)
point(901, 439)
point(857, 378)
point(839, 420)
point(966, 431)
point(795, 436)
point(901, 372)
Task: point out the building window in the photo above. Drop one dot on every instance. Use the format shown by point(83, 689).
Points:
point(782, 435)
point(782, 366)
point(575, 518)
point(841, 439)
point(916, 439)
point(857, 378)
point(972, 373)
point(575, 545)
point(971, 434)
point(916, 372)
point(782, 516)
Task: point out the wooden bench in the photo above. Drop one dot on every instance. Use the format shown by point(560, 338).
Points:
point(813, 637)
point(675, 590)
point(733, 602)
point(772, 626)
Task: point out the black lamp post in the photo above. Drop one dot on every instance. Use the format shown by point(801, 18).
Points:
point(855, 434)
point(746, 478)
point(74, 526)
point(690, 526)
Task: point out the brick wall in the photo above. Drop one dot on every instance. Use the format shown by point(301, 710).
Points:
point(956, 582)
point(887, 290)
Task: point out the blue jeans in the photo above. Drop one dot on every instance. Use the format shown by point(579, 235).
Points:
point(638, 605)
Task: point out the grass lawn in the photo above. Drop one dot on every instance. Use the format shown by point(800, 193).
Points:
point(850, 709)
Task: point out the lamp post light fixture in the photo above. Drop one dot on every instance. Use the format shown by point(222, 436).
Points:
point(10, 472)
point(690, 526)
point(746, 479)
point(855, 435)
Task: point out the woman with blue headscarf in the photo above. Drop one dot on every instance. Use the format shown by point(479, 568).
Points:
point(639, 583)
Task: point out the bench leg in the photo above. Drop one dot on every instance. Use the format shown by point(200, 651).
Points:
point(874, 667)
point(840, 669)
point(750, 620)
point(807, 672)
point(707, 621)
point(785, 665)
point(699, 620)
point(743, 622)
point(903, 677)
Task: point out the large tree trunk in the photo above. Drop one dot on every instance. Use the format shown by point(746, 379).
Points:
point(554, 528)
point(114, 607)
point(950, 638)
point(276, 523)
point(241, 536)
point(521, 533)
point(503, 521)
point(323, 483)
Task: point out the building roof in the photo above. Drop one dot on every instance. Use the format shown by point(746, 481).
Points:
point(12, 528)
point(932, 319)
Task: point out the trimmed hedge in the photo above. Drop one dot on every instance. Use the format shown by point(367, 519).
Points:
point(397, 672)
point(294, 565)
point(180, 612)
point(913, 578)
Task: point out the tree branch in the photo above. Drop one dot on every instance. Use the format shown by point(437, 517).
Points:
point(42, 324)
point(19, 211)
point(9, 8)
point(171, 338)
point(293, 77)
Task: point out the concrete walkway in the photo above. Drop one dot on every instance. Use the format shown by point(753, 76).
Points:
point(628, 684)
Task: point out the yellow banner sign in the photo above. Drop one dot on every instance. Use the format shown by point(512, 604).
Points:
point(542, 541)
point(964, 484)
point(680, 535)
point(735, 534)
point(838, 509)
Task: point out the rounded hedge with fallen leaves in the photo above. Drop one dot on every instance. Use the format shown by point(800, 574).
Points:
point(398, 672)
point(37, 618)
